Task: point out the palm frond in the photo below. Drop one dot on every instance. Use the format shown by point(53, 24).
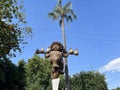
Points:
point(56, 16)
point(75, 16)
point(59, 3)
point(60, 22)
point(67, 6)
point(65, 11)
point(70, 11)
point(58, 9)
point(53, 15)
point(69, 18)
point(50, 14)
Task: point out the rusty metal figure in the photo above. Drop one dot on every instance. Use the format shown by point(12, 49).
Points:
point(55, 53)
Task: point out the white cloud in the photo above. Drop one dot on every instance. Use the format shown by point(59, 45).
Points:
point(113, 65)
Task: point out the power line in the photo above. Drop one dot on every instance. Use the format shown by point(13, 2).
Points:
point(93, 33)
point(54, 35)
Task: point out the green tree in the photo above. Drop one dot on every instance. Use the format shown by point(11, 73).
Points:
point(38, 74)
point(118, 88)
point(88, 81)
point(21, 75)
point(63, 13)
point(11, 76)
point(13, 27)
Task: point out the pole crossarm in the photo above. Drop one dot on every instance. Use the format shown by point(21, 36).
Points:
point(71, 51)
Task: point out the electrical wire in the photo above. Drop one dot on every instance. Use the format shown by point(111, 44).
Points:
point(86, 36)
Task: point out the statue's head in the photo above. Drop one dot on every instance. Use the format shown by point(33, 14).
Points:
point(56, 46)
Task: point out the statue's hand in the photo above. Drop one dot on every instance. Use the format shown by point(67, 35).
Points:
point(65, 55)
point(47, 55)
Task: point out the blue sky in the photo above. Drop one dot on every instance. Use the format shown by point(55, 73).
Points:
point(95, 32)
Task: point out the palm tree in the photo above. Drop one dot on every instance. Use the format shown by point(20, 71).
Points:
point(62, 13)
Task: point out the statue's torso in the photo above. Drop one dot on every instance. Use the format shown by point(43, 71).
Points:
point(55, 57)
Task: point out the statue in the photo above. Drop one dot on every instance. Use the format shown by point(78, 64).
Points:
point(55, 53)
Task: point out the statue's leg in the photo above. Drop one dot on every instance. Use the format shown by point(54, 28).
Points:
point(55, 68)
point(61, 68)
point(55, 72)
point(54, 75)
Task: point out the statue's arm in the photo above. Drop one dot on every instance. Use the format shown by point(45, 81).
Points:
point(47, 55)
point(65, 55)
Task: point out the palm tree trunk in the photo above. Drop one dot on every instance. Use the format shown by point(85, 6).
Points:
point(67, 84)
point(63, 32)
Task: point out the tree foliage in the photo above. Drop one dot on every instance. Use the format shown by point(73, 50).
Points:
point(38, 77)
point(88, 81)
point(13, 27)
point(11, 76)
point(65, 12)
point(38, 74)
point(118, 88)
